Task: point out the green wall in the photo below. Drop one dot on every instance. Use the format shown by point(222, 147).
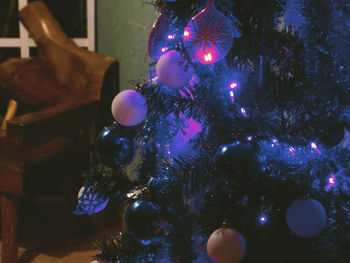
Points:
point(123, 27)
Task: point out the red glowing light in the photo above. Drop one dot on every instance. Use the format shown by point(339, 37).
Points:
point(314, 146)
point(208, 57)
point(164, 49)
point(292, 150)
point(186, 34)
point(171, 36)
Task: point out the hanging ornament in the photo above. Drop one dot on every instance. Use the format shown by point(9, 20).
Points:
point(226, 245)
point(129, 108)
point(238, 160)
point(157, 36)
point(89, 202)
point(306, 217)
point(208, 36)
point(143, 220)
point(174, 70)
point(333, 135)
point(116, 145)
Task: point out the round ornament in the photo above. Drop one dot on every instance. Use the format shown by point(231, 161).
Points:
point(226, 245)
point(237, 159)
point(142, 219)
point(89, 202)
point(208, 37)
point(129, 108)
point(157, 36)
point(306, 217)
point(116, 145)
point(174, 70)
point(333, 135)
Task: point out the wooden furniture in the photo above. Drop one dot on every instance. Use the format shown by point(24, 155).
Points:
point(69, 88)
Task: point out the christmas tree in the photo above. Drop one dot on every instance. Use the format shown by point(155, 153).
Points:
point(242, 137)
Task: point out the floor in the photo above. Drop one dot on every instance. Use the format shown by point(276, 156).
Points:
point(49, 233)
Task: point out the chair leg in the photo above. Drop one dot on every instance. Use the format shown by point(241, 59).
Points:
point(9, 228)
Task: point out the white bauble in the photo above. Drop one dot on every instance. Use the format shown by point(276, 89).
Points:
point(174, 70)
point(129, 108)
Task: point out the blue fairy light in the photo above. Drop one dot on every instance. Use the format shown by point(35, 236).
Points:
point(263, 219)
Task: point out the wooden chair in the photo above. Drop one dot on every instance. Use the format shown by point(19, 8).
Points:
point(66, 85)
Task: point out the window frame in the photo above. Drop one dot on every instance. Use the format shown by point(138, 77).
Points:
point(24, 42)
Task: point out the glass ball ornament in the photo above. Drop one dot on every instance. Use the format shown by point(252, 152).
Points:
point(237, 159)
point(174, 70)
point(142, 219)
point(226, 245)
point(116, 145)
point(129, 108)
point(306, 217)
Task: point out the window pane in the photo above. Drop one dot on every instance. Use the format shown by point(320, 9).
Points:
point(71, 15)
point(9, 18)
point(6, 53)
point(33, 51)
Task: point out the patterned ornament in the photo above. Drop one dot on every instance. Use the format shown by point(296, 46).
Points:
point(226, 245)
point(89, 202)
point(306, 217)
point(143, 220)
point(158, 36)
point(208, 37)
point(129, 108)
point(116, 145)
point(174, 70)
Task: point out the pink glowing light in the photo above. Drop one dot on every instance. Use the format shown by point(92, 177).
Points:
point(171, 36)
point(292, 150)
point(186, 34)
point(243, 112)
point(164, 49)
point(331, 181)
point(232, 95)
point(314, 146)
point(233, 85)
point(249, 138)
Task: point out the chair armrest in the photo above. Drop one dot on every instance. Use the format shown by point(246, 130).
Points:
point(37, 127)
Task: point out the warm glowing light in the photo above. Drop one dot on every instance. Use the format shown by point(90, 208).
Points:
point(331, 181)
point(233, 85)
point(314, 146)
point(232, 95)
point(208, 57)
point(164, 49)
point(292, 150)
point(171, 36)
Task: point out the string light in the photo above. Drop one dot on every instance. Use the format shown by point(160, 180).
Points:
point(263, 219)
point(331, 181)
point(233, 85)
point(171, 36)
point(292, 150)
point(208, 57)
point(186, 33)
point(314, 146)
point(243, 112)
point(232, 95)
point(164, 49)
point(249, 138)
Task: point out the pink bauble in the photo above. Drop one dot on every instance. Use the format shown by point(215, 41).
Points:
point(129, 108)
point(208, 36)
point(226, 245)
point(174, 70)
